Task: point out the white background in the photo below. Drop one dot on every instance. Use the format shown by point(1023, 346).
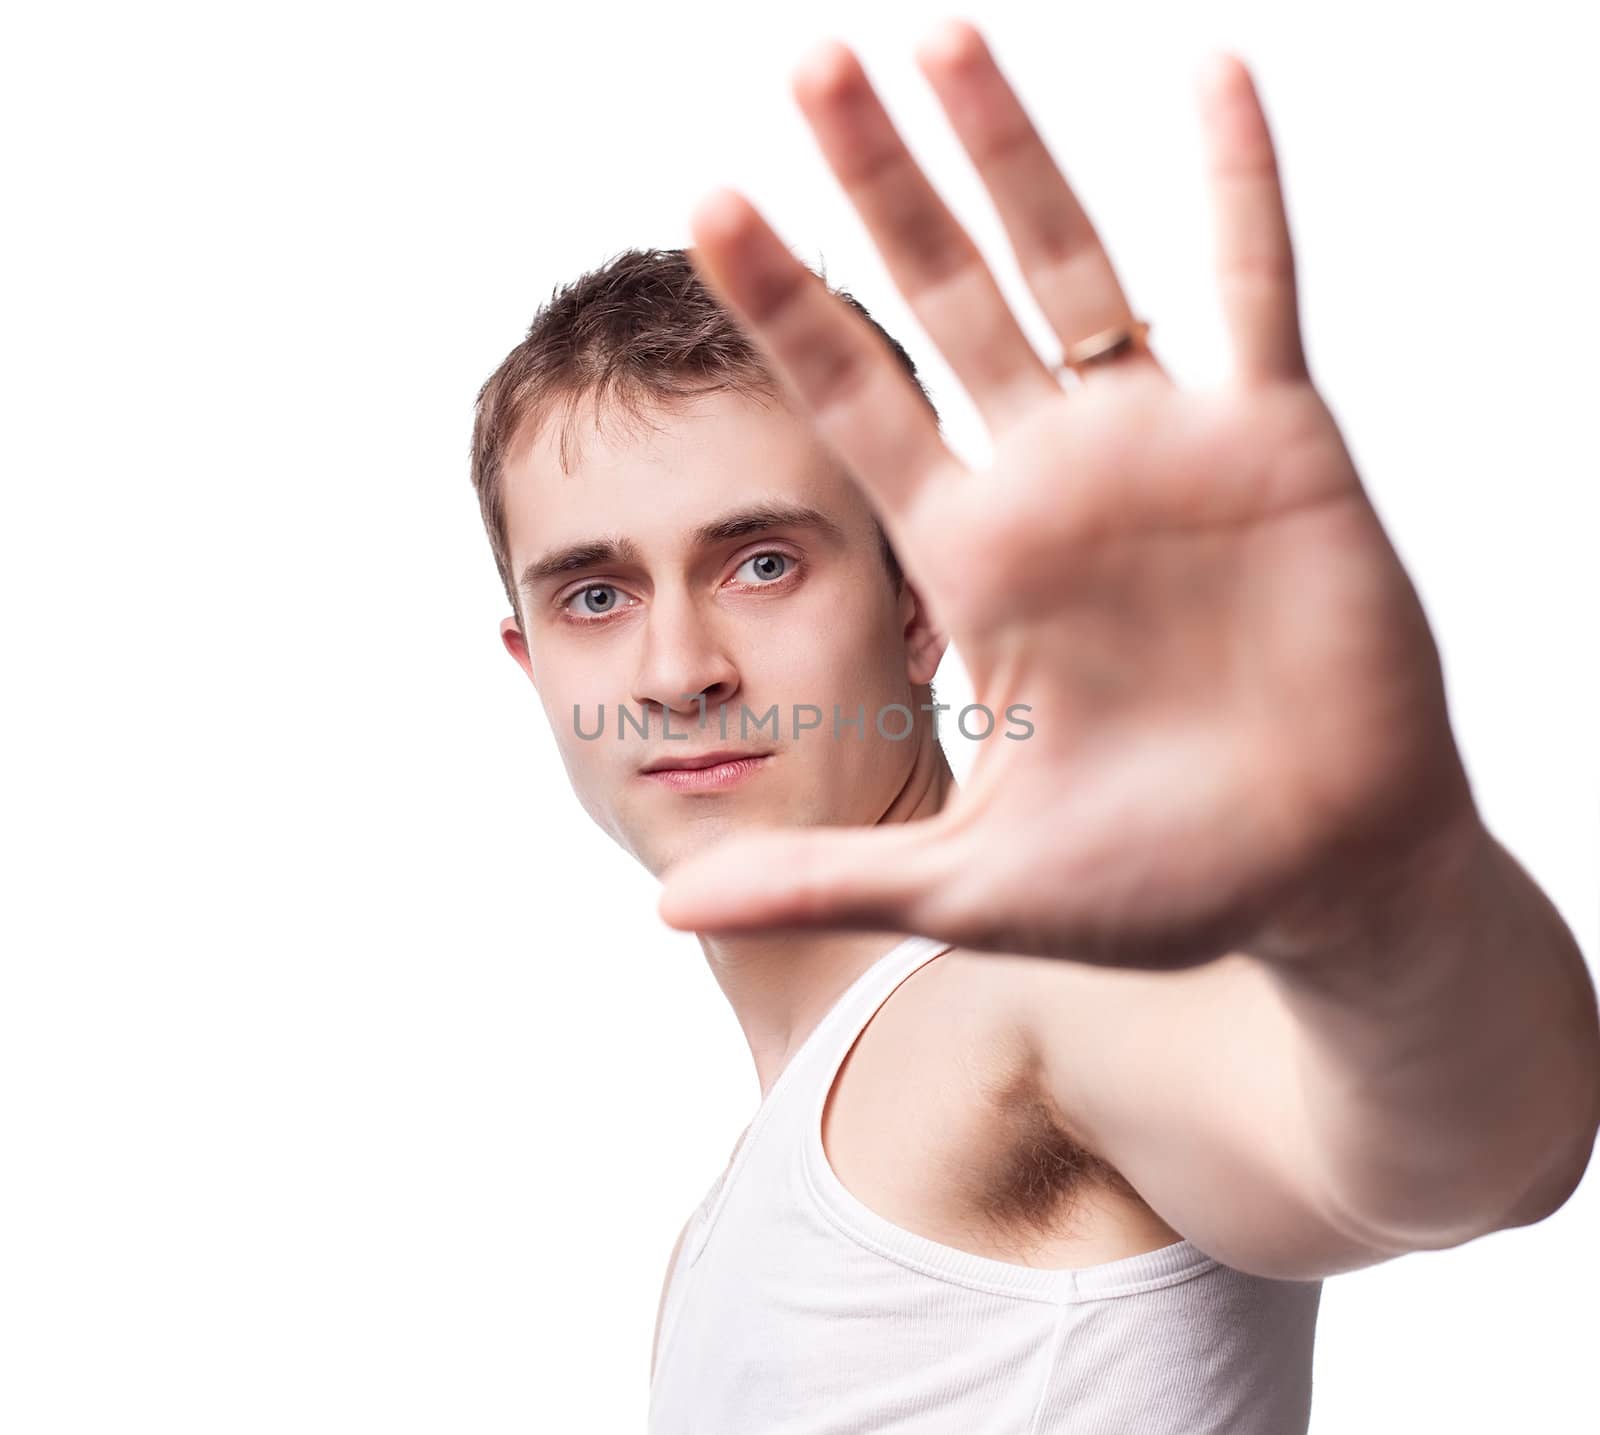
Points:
point(349, 1081)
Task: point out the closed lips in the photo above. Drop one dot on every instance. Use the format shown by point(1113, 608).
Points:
point(708, 759)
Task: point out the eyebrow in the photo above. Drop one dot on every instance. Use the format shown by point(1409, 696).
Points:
point(740, 523)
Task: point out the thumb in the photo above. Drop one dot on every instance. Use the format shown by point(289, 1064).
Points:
point(872, 879)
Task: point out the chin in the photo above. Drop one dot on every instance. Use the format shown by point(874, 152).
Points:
point(661, 849)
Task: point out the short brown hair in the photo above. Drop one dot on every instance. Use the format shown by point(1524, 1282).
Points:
point(641, 328)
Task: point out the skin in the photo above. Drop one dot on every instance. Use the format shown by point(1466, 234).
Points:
point(1243, 775)
point(1240, 714)
point(1244, 771)
point(829, 628)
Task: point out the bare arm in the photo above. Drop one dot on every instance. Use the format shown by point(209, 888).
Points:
point(1185, 1082)
point(1449, 1051)
point(1295, 1129)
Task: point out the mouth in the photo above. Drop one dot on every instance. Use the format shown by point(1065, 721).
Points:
point(706, 771)
point(703, 760)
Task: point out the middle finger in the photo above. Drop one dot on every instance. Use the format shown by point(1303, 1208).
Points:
point(1056, 245)
point(931, 258)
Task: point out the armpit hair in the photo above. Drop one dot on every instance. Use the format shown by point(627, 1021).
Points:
point(1035, 1189)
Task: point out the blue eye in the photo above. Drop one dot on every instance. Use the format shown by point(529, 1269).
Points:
point(593, 609)
point(764, 566)
point(599, 600)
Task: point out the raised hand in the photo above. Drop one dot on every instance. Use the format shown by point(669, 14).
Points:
point(1238, 710)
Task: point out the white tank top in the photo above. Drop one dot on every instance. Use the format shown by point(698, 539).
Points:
point(794, 1308)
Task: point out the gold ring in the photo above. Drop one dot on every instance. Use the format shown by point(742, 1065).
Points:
point(1105, 347)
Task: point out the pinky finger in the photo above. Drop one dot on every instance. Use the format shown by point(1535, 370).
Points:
point(1255, 259)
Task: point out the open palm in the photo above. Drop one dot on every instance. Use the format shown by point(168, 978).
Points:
point(1238, 715)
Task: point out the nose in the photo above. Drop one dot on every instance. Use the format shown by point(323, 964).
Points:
point(683, 663)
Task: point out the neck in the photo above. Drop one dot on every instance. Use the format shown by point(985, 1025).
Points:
point(781, 984)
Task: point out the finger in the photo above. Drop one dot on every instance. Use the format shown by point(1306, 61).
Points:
point(1057, 248)
point(872, 879)
point(1255, 259)
point(931, 258)
point(863, 403)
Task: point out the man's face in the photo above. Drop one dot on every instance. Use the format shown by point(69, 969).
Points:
point(788, 615)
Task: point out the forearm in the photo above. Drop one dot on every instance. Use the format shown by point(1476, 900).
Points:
point(1449, 1054)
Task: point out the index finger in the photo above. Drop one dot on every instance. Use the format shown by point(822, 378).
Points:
point(862, 402)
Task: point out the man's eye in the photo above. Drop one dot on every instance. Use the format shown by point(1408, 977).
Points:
point(595, 601)
point(600, 599)
point(767, 567)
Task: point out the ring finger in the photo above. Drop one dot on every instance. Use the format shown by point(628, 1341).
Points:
point(1060, 254)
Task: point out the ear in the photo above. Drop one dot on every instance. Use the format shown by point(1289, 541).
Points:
point(925, 644)
point(517, 646)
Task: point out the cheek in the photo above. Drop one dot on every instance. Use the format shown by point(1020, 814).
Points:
point(848, 660)
point(566, 685)
point(572, 672)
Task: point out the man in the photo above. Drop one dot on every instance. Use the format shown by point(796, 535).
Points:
point(1211, 983)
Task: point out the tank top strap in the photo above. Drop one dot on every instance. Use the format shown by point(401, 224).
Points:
point(789, 1101)
point(858, 1005)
